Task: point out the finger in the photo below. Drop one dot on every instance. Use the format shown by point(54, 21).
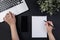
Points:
point(10, 12)
point(4, 18)
point(50, 22)
point(46, 24)
point(12, 15)
point(7, 15)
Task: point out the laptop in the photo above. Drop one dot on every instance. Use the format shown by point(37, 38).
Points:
point(15, 6)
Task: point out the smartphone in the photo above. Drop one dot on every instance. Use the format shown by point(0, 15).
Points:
point(24, 23)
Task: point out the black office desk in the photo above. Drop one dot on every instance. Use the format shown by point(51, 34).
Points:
point(33, 11)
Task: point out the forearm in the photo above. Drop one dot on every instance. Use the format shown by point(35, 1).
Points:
point(14, 33)
point(51, 37)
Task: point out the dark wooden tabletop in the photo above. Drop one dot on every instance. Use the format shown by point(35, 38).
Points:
point(25, 34)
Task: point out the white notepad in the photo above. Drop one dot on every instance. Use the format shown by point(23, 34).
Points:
point(38, 27)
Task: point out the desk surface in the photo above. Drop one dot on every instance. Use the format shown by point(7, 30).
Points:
point(33, 10)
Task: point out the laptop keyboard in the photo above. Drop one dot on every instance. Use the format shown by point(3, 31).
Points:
point(6, 4)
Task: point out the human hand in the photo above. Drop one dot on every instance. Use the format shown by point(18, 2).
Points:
point(10, 19)
point(49, 27)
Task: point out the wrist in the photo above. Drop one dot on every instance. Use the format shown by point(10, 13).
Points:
point(12, 25)
point(49, 32)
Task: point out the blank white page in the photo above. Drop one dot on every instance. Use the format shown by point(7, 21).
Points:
point(38, 27)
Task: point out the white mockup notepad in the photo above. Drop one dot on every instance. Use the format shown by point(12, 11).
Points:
point(38, 27)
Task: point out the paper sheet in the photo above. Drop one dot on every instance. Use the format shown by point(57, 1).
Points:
point(38, 27)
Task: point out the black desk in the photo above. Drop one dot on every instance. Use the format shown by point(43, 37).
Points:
point(33, 10)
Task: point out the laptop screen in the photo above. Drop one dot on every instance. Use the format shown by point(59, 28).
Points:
point(6, 4)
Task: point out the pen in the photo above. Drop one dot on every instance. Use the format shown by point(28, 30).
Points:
point(50, 25)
